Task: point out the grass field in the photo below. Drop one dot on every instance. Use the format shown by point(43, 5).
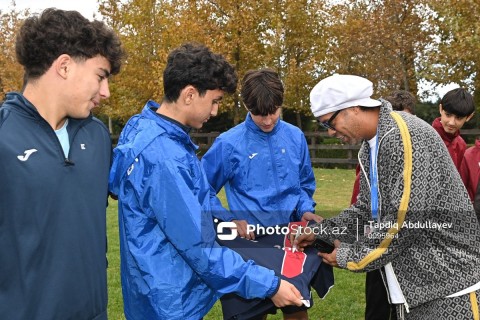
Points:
point(345, 301)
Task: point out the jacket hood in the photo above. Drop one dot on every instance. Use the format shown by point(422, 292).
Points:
point(21, 104)
point(137, 134)
point(16, 102)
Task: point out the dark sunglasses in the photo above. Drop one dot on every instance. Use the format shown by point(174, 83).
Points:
point(327, 124)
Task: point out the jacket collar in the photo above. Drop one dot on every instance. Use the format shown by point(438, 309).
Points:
point(385, 120)
point(173, 128)
point(19, 103)
point(385, 123)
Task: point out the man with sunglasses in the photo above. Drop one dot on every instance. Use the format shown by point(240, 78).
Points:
point(424, 232)
point(378, 306)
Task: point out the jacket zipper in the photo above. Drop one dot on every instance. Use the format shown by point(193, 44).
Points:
point(274, 167)
point(67, 160)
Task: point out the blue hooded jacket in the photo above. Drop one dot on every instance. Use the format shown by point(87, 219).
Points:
point(268, 176)
point(171, 266)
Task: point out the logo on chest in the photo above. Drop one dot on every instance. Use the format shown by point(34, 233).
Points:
point(26, 155)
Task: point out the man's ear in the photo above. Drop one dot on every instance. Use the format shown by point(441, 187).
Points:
point(62, 65)
point(188, 94)
point(440, 108)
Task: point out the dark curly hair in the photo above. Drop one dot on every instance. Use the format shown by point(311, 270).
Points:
point(42, 39)
point(194, 64)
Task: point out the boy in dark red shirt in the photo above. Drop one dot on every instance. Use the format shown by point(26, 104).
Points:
point(456, 108)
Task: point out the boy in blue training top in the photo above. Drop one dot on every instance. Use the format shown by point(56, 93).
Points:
point(264, 164)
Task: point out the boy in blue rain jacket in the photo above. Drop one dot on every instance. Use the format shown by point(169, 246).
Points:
point(171, 265)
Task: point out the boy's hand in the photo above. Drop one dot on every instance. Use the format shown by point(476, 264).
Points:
point(286, 295)
point(309, 216)
point(242, 229)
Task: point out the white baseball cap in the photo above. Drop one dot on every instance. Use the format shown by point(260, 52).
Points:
point(341, 91)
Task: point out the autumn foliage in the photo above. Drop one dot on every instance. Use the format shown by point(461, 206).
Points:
point(398, 44)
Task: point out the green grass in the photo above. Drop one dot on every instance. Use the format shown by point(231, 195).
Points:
point(346, 300)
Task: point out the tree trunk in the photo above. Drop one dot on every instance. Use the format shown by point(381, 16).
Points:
point(299, 120)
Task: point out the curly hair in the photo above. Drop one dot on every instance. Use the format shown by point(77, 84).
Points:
point(194, 64)
point(42, 39)
point(262, 91)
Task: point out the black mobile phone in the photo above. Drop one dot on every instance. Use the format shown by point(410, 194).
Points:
point(323, 246)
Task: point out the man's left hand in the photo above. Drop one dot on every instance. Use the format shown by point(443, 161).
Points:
point(331, 258)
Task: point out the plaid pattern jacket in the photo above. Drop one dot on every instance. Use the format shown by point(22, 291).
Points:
point(427, 226)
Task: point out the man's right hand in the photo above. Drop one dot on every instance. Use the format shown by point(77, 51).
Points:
point(287, 295)
point(242, 229)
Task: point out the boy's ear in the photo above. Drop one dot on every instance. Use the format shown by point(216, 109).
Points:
point(62, 65)
point(440, 108)
point(187, 94)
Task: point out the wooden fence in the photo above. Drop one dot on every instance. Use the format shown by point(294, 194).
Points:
point(321, 154)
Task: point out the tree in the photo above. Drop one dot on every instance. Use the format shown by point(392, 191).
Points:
point(296, 41)
point(394, 43)
point(233, 29)
point(454, 55)
point(380, 40)
point(142, 27)
point(11, 72)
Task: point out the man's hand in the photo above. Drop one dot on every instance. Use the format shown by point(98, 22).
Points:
point(309, 216)
point(242, 229)
point(287, 295)
point(331, 258)
point(300, 241)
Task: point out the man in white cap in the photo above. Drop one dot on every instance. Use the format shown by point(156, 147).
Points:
point(424, 231)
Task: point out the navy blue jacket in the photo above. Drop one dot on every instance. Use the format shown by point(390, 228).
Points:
point(52, 216)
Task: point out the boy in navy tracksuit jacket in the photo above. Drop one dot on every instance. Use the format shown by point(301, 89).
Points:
point(55, 159)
